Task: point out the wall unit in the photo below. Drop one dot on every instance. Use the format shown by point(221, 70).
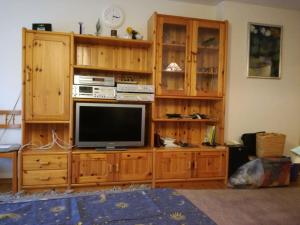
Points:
point(196, 85)
point(189, 77)
point(53, 58)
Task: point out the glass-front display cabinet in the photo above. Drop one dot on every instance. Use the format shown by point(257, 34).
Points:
point(207, 72)
point(172, 55)
point(191, 56)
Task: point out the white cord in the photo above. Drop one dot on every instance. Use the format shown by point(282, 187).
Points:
point(55, 141)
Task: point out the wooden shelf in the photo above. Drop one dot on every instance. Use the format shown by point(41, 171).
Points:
point(129, 150)
point(113, 70)
point(208, 47)
point(199, 148)
point(107, 100)
point(118, 42)
point(176, 47)
point(207, 74)
point(189, 97)
point(185, 120)
point(173, 72)
point(47, 121)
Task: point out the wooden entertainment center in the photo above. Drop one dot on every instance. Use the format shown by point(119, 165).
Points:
point(196, 85)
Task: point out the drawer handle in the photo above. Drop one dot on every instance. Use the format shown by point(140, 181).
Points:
point(44, 178)
point(44, 163)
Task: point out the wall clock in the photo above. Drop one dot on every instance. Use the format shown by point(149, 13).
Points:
point(113, 16)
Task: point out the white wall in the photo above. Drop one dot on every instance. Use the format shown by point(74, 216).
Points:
point(252, 104)
point(262, 104)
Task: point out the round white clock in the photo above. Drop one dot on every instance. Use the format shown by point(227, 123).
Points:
point(113, 16)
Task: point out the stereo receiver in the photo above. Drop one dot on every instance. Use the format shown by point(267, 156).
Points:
point(94, 80)
point(85, 91)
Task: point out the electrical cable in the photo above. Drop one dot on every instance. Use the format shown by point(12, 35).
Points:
point(56, 140)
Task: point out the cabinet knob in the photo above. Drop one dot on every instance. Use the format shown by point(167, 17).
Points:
point(195, 165)
point(117, 167)
point(44, 163)
point(110, 168)
point(27, 76)
point(44, 178)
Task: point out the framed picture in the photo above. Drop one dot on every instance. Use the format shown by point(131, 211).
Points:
point(264, 50)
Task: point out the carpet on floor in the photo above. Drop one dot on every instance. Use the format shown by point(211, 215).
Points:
point(152, 206)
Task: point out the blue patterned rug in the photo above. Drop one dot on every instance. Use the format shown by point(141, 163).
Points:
point(141, 207)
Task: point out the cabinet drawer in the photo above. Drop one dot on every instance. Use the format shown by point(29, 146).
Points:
point(43, 177)
point(44, 162)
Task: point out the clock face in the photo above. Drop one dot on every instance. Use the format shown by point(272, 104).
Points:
point(113, 16)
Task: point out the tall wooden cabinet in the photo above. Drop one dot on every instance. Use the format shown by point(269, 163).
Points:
point(190, 79)
point(47, 77)
point(184, 58)
point(46, 86)
point(46, 108)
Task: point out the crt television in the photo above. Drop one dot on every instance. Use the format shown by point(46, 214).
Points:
point(105, 125)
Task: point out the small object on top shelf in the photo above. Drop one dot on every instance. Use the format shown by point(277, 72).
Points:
point(98, 27)
point(114, 33)
point(173, 67)
point(134, 34)
point(42, 26)
point(80, 27)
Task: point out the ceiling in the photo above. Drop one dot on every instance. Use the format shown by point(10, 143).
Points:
point(287, 4)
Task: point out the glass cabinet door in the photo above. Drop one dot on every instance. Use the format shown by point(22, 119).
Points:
point(207, 57)
point(172, 79)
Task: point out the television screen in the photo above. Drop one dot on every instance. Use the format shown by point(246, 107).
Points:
point(109, 125)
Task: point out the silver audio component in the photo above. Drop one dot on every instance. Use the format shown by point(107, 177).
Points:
point(94, 80)
point(143, 97)
point(140, 88)
point(85, 91)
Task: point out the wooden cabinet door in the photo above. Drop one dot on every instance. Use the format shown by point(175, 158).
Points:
point(47, 77)
point(133, 166)
point(172, 55)
point(173, 165)
point(208, 56)
point(92, 168)
point(209, 164)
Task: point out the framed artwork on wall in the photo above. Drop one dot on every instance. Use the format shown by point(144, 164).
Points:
point(264, 50)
